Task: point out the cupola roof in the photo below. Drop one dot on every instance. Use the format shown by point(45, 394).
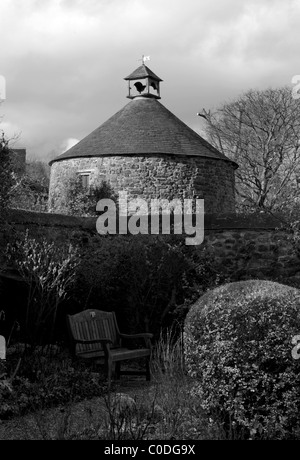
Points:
point(142, 72)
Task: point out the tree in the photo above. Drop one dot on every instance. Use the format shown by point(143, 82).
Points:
point(30, 189)
point(260, 130)
point(6, 177)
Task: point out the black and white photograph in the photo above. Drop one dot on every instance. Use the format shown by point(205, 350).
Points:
point(150, 223)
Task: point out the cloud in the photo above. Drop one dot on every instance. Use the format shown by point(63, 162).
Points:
point(68, 143)
point(64, 60)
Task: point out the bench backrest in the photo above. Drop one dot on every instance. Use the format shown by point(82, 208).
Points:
point(93, 324)
point(2, 347)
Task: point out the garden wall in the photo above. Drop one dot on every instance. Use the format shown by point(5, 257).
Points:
point(252, 245)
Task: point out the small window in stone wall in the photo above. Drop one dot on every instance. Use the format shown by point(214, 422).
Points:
point(85, 178)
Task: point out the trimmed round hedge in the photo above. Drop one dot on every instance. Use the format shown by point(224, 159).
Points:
point(238, 348)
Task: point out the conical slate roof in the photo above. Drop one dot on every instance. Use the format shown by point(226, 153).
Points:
point(143, 127)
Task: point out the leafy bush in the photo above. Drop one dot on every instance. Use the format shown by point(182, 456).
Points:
point(238, 348)
point(45, 381)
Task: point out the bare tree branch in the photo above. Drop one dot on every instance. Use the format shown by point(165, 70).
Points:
point(261, 132)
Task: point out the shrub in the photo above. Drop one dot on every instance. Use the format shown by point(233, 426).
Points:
point(44, 381)
point(238, 348)
point(48, 271)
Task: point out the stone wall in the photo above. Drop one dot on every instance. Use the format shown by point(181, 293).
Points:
point(151, 177)
point(244, 246)
point(248, 247)
point(255, 246)
point(51, 226)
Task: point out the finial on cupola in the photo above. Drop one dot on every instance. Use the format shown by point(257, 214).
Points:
point(146, 83)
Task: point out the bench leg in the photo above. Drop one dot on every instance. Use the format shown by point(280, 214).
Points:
point(118, 369)
point(148, 376)
point(109, 371)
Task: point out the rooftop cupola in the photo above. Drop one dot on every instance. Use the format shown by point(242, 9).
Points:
point(143, 82)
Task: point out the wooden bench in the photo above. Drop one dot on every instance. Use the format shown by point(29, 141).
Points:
point(95, 334)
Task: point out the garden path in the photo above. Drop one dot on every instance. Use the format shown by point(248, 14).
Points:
point(66, 422)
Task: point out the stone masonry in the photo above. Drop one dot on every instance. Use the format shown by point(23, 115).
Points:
point(254, 246)
point(150, 177)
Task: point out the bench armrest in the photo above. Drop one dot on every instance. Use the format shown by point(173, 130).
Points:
point(86, 341)
point(136, 336)
point(146, 336)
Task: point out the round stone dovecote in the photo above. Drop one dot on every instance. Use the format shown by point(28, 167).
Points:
point(148, 152)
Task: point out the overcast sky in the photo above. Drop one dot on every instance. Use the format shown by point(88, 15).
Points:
point(64, 60)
